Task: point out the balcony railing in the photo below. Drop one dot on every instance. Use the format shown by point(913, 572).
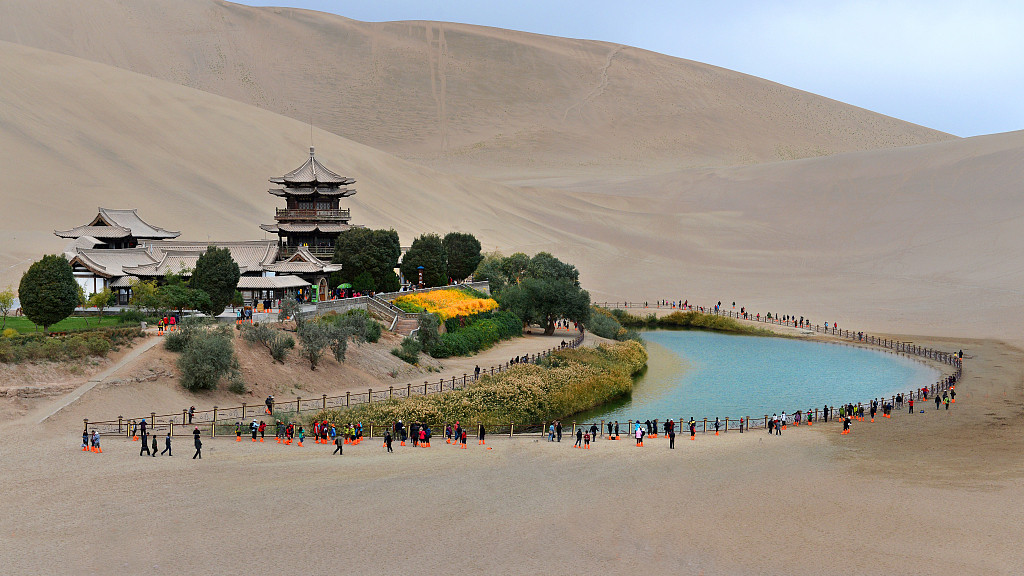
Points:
point(321, 252)
point(287, 214)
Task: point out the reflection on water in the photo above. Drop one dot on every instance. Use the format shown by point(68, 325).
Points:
point(709, 374)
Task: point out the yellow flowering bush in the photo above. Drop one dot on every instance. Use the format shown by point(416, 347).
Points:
point(568, 382)
point(446, 303)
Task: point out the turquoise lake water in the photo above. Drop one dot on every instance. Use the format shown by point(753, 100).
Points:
point(709, 374)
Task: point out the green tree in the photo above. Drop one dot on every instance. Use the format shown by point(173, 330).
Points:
point(100, 300)
point(547, 290)
point(314, 337)
point(48, 291)
point(489, 270)
point(180, 297)
point(6, 303)
point(216, 274)
point(462, 251)
point(427, 251)
point(514, 267)
point(364, 283)
point(145, 295)
point(360, 250)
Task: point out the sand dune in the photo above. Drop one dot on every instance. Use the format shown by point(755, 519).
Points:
point(924, 239)
point(489, 102)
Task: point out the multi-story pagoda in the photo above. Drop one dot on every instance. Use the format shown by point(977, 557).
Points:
point(312, 218)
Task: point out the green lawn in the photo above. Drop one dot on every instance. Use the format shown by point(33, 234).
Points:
point(22, 324)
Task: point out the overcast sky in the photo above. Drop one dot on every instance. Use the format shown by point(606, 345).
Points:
point(953, 66)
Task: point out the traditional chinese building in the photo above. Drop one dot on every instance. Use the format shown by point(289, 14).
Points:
point(312, 217)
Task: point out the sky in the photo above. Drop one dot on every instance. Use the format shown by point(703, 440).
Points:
point(952, 66)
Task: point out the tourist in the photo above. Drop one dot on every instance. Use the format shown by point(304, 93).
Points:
point(693, 428)
point(476, 372)
point(462, 438)
point(824, 413)
point(639, 433)
point(96, 442)
point(551, 433)
point(387, 440)
point(671, 438)
point(952, 395)
point(448, 434)
point(579, 437)
point(145, 442)
point(616, 429)
point(254, 428)
point(339, 443)
point(846, 425)
point(167, 445)
point(911, 404)
point(593, 432)
point(270, 404)
point(262, 430)
point(191, 413)
point(238, 431)
point(85, 440)
point(302, 435)
point(154, 446)
point(558, 429)
point(938, 401)
point(771, 425)
point(782, 419)
point(586, 441)
point(717, 425)
point(423, 438)
point(610, 435)
point(199, 445)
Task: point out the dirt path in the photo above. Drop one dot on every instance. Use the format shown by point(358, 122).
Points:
point(42, 414)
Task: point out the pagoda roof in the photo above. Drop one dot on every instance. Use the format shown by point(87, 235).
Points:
point(288, 227)
point(112, 224)
point(111, 263)
point(303, 262)
point(312, 172)
point(310, 191)
point(174, 256)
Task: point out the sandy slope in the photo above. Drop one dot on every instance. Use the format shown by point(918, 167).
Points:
point(924, 238)
point(478, 100)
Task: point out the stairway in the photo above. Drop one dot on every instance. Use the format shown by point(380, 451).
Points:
point(405, 326)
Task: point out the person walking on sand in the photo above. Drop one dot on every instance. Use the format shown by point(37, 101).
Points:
point(96, 442)
point(167, 445)
point(579, 438)
point(483, 433)
point(388, 440)
point(593, 432)
point(145, 441)
point(198, 443)
point(154, 445)
point(671, 438)
point(586, 441)
point(558, 430)
point(339, 442)
point(910, 403)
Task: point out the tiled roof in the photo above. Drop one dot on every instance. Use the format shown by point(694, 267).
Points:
point(124, 282)
point(303, 262)
point(270, 282)
point(111, 232)
point(309, 191)
point(312, 172)
point(111, 263)
point(329, 227)
point(250, 255)
point(110, 223)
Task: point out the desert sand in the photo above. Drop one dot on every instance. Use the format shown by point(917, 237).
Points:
point(658, 177)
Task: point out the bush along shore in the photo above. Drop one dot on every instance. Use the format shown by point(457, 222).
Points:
point(685, 320)
point(565, 383)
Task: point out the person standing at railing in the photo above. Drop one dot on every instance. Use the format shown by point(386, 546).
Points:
point(639, 433)
point(191, 413)
point(579, 438)
point(693, 428)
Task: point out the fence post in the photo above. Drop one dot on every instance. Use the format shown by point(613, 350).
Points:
point(183, 412)
point(152, 418)
point(511, 428)
point(602, 428)
point(243, 411)
point(325, 401)
point(573, 427)
point(408, 390)
point(298, 405)
point(424, 387)
point(369, 396)
point(391, 392)
point(170, 426)
point(213, 426)
point(464, 376)
point(119, 425)
point(348, 398)
point(765, 421)
point(726, 423)
point(705, 430)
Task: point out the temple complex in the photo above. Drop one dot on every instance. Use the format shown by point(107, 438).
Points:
point(118, 248)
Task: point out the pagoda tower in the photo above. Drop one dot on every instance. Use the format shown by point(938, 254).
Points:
point(312, 218)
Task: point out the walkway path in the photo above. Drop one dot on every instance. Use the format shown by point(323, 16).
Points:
point(77, 393)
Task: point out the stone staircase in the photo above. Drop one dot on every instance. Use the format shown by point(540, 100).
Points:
point(405, 326)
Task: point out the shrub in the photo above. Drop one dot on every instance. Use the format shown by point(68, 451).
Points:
point(280, 347)
point(427, 335)
point(237, 385)
point(76, 347)
point(208, 357)
point(409, 351)
point(98, 346)
point(10, 333)
point(373, 331)
point(314, 337)
point(570, 381)
point(53, 349)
